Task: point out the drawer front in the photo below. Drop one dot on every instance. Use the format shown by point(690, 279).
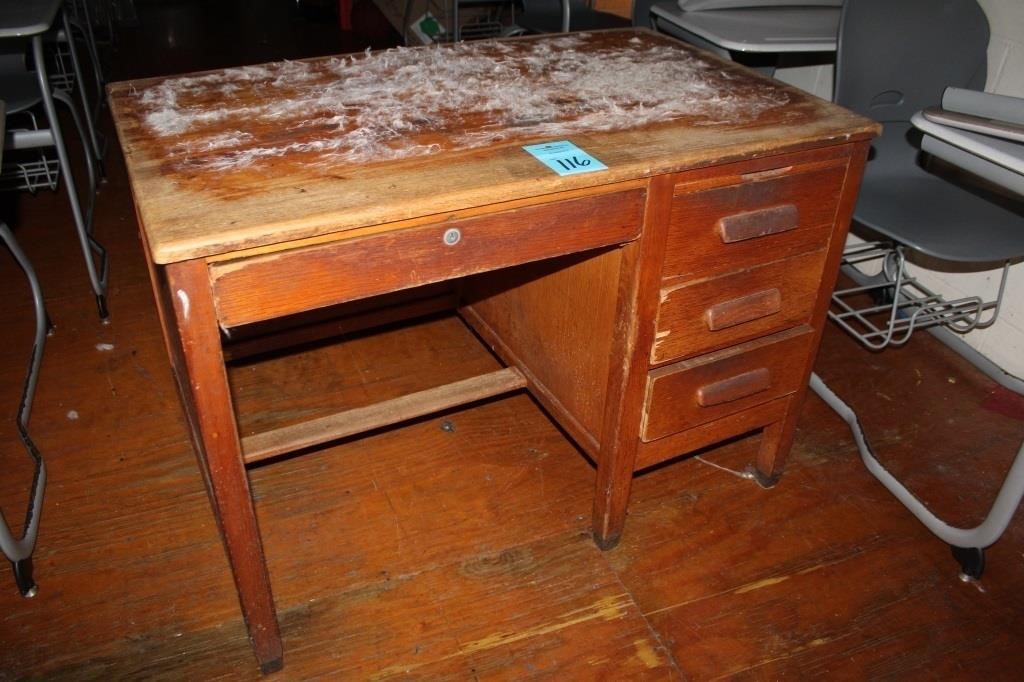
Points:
point(713, 386)
point(273, 285)
point(769, 214)
point(714, 313)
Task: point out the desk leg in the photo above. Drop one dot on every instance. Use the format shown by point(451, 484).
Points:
point(640, 276)
point(194, 340)
point(611, 498)
point(776, 440)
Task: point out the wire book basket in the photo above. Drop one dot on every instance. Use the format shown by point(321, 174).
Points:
point(885, 309)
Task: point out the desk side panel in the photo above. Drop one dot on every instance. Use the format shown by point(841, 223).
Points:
point(555, 320)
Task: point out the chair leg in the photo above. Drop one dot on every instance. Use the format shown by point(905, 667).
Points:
point(85, 21)
point(19, 551)
point(83, 222)
point(23, 577)
point(95, 144)
point(968, 543)
point(971, 559)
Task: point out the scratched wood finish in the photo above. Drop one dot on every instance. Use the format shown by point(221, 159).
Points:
point(697, 245)
point(385, 413)
point(751, 420)
point(203, 383)
point(263, 287)
point(825, 576)
point(830, 577)
point(690, 393)
point(193, 212)
point(714, 313)
point(621, 426)
point(777, 438)
point(250, 287)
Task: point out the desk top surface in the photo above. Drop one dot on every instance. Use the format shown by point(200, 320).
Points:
point(253, 157)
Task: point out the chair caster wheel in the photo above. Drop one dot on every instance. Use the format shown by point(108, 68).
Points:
point(971, 559)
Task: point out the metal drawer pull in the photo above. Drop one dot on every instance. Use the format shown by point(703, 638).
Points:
point(734, 388)
point(759, 223)
point(744, 309)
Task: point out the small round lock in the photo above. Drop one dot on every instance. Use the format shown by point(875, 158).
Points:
point(452, 236)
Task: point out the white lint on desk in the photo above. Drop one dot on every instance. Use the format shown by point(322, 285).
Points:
point(409, 102)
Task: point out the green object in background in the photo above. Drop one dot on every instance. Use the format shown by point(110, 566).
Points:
point(427, 28)
point(430, 26)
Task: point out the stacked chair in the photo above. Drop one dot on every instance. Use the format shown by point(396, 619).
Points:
point(41, 49)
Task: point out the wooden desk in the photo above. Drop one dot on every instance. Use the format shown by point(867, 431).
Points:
point(664, 304)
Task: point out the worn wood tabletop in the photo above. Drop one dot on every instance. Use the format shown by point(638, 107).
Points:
point(252, 157)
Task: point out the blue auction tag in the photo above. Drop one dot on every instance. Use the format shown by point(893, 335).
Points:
point(564, 157)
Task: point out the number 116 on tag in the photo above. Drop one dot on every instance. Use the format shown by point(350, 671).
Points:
point(564, 157)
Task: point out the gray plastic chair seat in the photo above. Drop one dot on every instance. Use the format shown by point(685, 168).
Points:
point(20, 91)
point(908, 204)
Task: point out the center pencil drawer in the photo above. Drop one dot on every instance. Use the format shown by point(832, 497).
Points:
point(295, 280)
point(692, 392)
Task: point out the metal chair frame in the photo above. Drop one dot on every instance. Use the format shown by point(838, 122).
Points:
point(96, 260)
point(18, 550)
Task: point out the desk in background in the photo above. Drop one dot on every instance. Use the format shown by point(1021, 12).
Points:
point(769, 30)
point(664, 304)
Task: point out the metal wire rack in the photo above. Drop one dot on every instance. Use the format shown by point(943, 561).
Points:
point(886, 308)
point(27, 165)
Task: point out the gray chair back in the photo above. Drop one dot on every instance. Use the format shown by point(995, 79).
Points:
point(895, 57)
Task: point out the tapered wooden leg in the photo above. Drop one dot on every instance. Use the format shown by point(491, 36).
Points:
point(640, 272)
point(776, 440)
point(611, 497)
point(194, 338)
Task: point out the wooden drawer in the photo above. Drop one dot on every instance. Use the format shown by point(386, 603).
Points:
point(713, 386)
point(273, 285)
point(766, 215)
point(722, 311)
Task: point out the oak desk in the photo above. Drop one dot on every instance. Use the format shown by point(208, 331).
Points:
point(668, 302)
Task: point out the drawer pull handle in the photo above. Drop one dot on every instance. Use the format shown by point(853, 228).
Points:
point(734, 388)
point(759, 223)
point(744, 309)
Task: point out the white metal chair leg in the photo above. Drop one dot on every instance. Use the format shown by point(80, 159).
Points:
point(88, 111)
point(19, 550)
point(968, 543)
point(91, 249)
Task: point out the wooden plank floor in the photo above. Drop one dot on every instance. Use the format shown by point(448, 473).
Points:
point(457, 547)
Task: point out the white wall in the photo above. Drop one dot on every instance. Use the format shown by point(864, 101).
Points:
point(1003, 342)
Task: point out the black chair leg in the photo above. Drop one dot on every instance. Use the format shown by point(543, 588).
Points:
point(971, 559)
point(23, 577)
